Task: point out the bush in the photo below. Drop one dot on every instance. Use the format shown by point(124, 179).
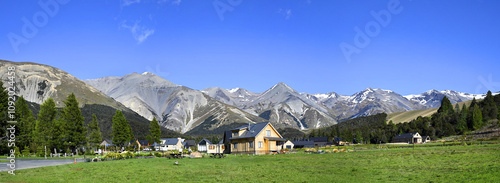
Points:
point(113, 155)
point(335, 151)
point(128, 154)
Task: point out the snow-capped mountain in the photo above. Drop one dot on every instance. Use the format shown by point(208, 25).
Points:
point(432, 98)
point(332, 105)
point(281, 105)
point(176, 107)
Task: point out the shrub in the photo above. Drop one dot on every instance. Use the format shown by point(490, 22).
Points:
point(343, 150)
point(335, 150)
point(113, 155)
point(128, 154)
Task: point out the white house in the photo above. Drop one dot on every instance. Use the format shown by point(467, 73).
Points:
point(171, 144)
point(203, 145)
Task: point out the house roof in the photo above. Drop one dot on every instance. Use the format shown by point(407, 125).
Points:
point(221, 141)
point(170, 141)
point(155, 144)
point(143, 142)
point(337, 139)
point(302, 143)
point(253, 131)
point(406, 135)
point(318, 139)
point(189, 143)
point(204, 142)
point(110, 142)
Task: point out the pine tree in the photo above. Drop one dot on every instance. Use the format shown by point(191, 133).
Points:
point(457, 108)
point(313, 133)
point(154, 128)
point(446, 107)
point(4, 97)
point(94, 132)
point(26, 121)
point(120, 129)
point(58, 134)
point(477, 118)
point(462, 121)
point(490, 110)
point(45, 123)
point(72, 119)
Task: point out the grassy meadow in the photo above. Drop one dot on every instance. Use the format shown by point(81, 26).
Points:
point(472, 163)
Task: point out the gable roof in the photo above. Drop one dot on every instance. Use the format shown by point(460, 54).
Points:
point(204, 142)
point(253, 131)
point(337, 139)
point(110, 142)
point(170, 141)
point(143, 142)
point(405, 135)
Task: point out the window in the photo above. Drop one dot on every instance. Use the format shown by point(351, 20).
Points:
point(268, 133)
point(235, 134)
point(235, 146)
point(261, 144)
point(250, 144)
point(211, 147)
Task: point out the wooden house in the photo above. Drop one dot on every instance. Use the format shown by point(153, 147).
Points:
point(410, 138)
point(258, 138)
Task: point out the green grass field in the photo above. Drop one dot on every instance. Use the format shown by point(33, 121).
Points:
point(473, 163)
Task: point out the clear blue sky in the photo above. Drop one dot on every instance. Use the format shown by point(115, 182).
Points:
point(448, 44)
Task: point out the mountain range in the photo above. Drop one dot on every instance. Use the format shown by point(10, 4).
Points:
point(212, 110)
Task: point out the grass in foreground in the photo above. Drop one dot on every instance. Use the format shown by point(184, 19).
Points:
point(477, 163)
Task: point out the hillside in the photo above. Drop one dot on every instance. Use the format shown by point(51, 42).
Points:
point(406, 116)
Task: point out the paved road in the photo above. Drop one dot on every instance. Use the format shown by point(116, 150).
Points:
point(34, 163)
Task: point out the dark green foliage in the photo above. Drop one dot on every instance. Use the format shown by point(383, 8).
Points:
point(72, 123)
point(3, 117)
point(154, 129)
point(26, 123)
point(477, 118)
point(121, 129)
point(462, 121)
point(446, 106)
point(94, 137)
point(45, 122)
point(291, 133)
point(139, 124)
point(489, 107)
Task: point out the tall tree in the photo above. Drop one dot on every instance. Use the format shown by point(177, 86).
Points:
point(490, 109)
point(477, 118)
point(120, 126)
point(154, 128)
point(45, 122)
point(26, 121)
point(446, 107)
point(462, 120)
point(4, 97)
point(94, 132)
point(73, 129)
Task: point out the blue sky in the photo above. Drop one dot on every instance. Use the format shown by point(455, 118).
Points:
point(448, 44)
